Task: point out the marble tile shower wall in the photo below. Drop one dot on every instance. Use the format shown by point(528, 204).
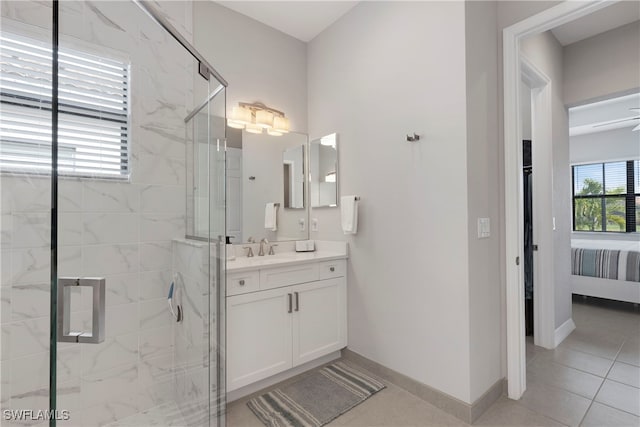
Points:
point(120, 230)
point(191, 336)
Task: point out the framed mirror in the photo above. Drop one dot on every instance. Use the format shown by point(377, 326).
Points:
point(323, 171)
point(264, 169)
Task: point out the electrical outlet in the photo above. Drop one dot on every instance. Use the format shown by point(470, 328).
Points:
point(314, 224)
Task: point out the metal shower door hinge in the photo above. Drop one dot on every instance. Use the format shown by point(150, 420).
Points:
point(96, 335)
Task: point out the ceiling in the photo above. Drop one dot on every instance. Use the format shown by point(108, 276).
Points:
point(614, 16)
point(300, 19)
point(614, 113)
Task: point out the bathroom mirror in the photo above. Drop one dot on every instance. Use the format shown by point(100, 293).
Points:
point(264, 169)
point(293, 173)
point(323, 171)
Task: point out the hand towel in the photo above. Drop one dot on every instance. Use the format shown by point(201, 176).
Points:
point(271, 217)
point(349, 213)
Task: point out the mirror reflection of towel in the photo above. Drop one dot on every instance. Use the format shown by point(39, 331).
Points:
point(271, 217)
point(349, 213)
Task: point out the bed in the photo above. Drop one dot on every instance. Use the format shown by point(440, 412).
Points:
point(606, 269)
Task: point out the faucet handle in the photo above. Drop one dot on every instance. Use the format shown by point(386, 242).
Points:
point(250, 253)
point(271, 252)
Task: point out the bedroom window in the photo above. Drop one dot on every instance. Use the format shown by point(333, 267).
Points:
point(606, 197)
point(93, 127)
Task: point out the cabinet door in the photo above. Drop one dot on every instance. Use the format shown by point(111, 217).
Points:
point(258, 336)
point(320, 319)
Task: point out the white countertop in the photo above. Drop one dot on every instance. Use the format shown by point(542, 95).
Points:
point(282, 259)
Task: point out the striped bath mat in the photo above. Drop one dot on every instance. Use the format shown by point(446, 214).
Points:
point(316, 399)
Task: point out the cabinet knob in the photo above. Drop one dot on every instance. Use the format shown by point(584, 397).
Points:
point(241, 282)
point(332, 269)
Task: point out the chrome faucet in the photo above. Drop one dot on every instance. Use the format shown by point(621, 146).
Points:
point(263, 242)
point(250, 252)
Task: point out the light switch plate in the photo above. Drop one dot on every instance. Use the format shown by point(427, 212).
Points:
point(301, 223)
point(314, 224)
point(484, 228)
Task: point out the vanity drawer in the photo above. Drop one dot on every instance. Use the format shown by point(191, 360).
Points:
point(330, 269)
point(285, 276)
point(241, 283)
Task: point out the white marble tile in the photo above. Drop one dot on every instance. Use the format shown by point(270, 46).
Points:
point(30, 12)
point(102, 228)
point(70, 261)
point(30, 301)
point(70, 228)
point(5, 305)
point(113, 352)
point(154, 284)
point(103, 197)
point(121, 319)
point(31, 373)
point(5, 268)
point(155, 256)
point(6, 230)
point(156, 394)
point(111, 411)
point(162, 199)
point(29, 337)
point(156, 370)
point(69, 189)
point(111, 25)
point(122, 289)
point(153, 169)
point(161, 227)
point(31, 230)
point(5, 383)
point(156, 342)
point(110, 386)
point(28, 194)
point(161, 141)
point(155, 314)
point(5, 341)
point(104, 260)
point(30, 265)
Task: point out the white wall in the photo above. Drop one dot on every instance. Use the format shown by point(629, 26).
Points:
point(380, 72)
point(602, 65)
point(608, 146)
point(259, 62)
point(545, 52)
point(482, 195)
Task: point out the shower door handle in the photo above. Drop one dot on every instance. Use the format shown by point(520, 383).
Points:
point(96, 335)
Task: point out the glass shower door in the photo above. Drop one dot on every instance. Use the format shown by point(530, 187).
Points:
point(135, 293)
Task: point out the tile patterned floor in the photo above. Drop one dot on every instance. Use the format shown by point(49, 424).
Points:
point(591, 379)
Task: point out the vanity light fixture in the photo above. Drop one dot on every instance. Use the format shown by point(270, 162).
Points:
point(256, 117)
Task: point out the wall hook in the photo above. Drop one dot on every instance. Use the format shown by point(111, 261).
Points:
point(413, 138)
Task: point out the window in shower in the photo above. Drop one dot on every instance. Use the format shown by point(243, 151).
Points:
point(93, 127)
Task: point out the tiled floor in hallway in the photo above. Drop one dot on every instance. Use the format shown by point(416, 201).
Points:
point(591, 379)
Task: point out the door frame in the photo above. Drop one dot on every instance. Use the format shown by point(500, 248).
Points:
point(514, 234)
point(542, 206)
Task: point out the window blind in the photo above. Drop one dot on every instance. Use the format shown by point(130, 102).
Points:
point(93, 98)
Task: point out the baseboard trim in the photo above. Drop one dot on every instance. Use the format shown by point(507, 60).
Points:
point(459, 409)
point(563, 331)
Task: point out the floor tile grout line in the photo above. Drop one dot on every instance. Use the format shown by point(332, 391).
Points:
point(601, 384)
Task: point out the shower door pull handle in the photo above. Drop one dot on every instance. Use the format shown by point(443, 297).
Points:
point(96, 335)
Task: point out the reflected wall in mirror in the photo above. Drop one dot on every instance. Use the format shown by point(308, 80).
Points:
point(293, 173)
point(256, 166)
point(323, 165)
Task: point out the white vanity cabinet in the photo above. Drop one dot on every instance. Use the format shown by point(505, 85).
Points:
point(272, 327)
